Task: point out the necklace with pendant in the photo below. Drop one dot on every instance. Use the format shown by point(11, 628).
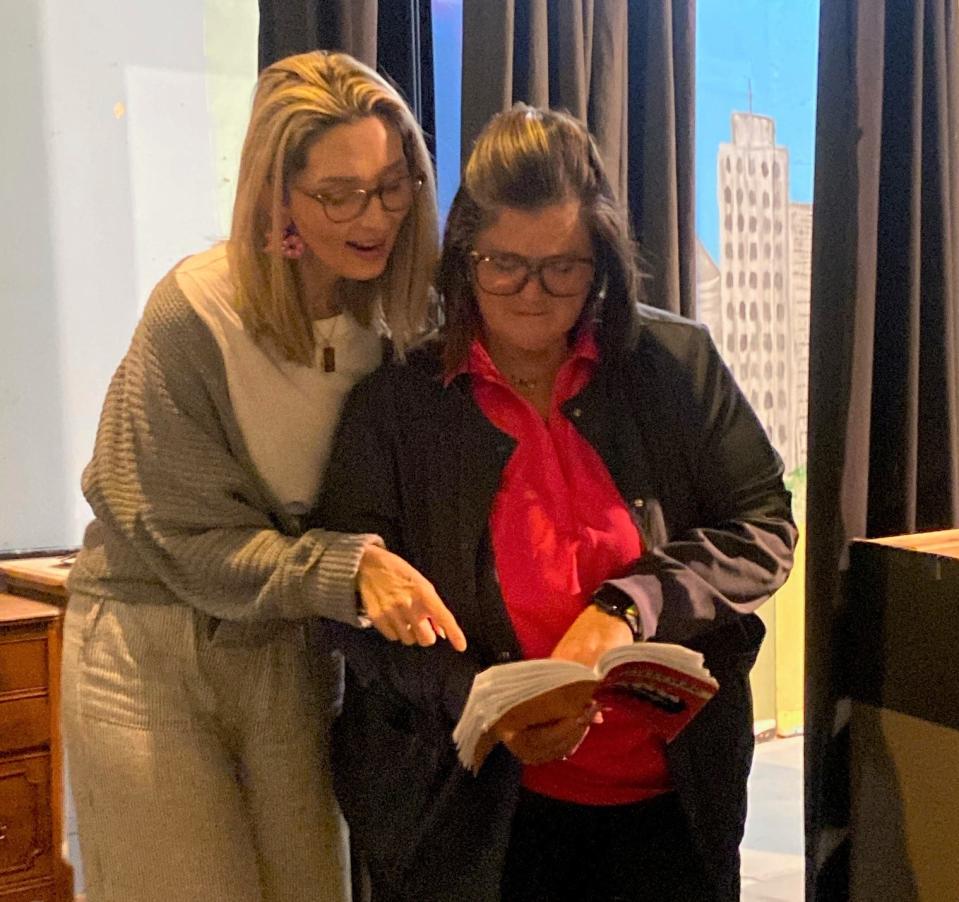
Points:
point(524, 384)
point(328, 352)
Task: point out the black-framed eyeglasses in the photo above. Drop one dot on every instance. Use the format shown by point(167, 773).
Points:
point(561, 276)
point(396, 194)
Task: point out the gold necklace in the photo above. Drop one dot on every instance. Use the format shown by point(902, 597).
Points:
point(524, 384)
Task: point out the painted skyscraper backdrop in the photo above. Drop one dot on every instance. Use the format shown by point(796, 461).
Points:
point(755, 299)
point(755, 126)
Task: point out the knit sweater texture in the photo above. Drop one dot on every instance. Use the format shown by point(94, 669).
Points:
point(181, 513)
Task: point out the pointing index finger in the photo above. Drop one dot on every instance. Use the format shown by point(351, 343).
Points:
point(443, 620)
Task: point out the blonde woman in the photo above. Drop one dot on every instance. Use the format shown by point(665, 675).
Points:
point(197, 738)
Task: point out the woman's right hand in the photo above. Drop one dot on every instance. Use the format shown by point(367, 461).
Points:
point(402, 603)
point(540, 743)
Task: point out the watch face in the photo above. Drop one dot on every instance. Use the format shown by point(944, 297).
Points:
point(626, 610)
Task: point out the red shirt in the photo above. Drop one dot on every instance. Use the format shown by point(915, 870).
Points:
point(560, 528)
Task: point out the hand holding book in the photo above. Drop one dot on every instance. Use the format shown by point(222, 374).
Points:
point(536, 741)
point(666, 684)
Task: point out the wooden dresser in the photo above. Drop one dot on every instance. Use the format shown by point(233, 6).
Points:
point(31, 755)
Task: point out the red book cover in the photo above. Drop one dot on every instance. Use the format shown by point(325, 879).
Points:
point(667, 699)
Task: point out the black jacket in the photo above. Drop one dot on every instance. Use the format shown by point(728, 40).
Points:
point(418, 463)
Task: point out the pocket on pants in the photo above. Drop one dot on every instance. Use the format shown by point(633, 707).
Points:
point(136, 665)
point(78, 622)
point(90, 619)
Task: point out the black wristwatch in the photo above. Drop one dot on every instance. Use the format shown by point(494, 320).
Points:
point(617, 603)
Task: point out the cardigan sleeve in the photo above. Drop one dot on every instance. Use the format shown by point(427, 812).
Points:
point(736, 547)
point(166, 484)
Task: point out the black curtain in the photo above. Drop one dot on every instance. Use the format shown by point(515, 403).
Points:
point(627, 71)
point(392, 36)
point(883, 387)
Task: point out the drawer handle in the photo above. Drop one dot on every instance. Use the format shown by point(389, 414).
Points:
point(3, 832)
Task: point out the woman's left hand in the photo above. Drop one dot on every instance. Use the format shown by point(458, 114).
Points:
point(592, 633)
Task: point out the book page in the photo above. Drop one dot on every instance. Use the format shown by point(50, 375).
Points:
point(678, 657)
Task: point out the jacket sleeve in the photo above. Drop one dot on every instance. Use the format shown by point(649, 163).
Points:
point(735, 548)
point(168, 488)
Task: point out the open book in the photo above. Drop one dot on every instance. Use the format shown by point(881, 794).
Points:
point(668, 684)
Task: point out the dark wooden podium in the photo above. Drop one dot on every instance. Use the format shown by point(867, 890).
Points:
point(903, 666)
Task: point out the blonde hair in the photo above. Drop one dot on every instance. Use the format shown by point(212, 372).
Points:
point(527, 158)
point(296, 101)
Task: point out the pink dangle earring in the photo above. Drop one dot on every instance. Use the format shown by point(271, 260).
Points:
point(292, 244)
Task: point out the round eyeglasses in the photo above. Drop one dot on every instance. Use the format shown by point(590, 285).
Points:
point(561, 276)
point(395, 194)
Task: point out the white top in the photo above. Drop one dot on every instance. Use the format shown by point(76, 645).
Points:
point(287, 412)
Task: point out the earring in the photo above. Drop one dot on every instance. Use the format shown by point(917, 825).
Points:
point(292, 244)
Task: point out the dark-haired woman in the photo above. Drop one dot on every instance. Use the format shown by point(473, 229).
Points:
point(573, 471)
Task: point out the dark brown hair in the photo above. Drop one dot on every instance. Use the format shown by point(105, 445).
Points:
point(527, 158)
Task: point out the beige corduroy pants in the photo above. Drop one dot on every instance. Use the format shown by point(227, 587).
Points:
point(198, 758)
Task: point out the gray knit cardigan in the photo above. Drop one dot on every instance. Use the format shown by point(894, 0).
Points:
point(182, 515)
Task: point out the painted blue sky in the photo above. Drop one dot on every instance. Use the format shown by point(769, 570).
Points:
point(447, 80)
point(772, 44)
